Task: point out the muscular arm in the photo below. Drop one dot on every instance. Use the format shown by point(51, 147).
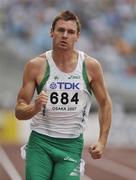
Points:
point(105, 105)
point(25, 109)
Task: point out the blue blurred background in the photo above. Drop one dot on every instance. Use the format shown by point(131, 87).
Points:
point(108, 34)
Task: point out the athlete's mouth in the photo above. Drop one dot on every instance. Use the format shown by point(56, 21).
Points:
point(63, 42)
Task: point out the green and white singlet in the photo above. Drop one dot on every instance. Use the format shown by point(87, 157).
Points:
point(69, 101)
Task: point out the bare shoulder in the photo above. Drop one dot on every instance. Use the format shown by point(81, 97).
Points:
point(92, 63)
point(36, 64)
point(93, 66)
point(35, 68)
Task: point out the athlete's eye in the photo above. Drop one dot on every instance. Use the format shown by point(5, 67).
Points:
point(61, 29)
point(71, 31)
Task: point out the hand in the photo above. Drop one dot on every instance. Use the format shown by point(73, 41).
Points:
point(96, 150)
point(41, 100)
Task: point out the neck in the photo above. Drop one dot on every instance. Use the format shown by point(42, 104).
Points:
point(66, 61)
point(62, 56)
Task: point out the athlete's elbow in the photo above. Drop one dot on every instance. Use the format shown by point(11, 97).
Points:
point(106, 103)
point(19, 115)
point(109, 103)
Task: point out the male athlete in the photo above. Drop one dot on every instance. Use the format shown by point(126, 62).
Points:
point(64, 79)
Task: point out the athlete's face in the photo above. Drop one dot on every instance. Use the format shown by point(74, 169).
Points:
point(65, 34)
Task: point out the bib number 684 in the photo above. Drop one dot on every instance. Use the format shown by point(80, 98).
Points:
point(64, 99)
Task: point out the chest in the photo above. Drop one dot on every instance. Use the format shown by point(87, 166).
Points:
point(65, 82)
point(65, 89)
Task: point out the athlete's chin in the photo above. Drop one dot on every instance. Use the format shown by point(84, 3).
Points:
point(63, 47)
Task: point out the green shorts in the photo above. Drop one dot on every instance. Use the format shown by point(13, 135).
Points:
point(50, 158)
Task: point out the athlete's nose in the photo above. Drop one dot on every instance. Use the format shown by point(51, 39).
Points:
point(65, 34)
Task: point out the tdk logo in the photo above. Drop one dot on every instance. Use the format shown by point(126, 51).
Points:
point(64, 85)
point(53, 85)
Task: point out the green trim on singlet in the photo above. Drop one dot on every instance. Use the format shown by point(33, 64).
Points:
point(44, 80)
point(84, 73)
point(47, 74)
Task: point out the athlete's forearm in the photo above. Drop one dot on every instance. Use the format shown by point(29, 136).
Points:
point(25, 111)
point(105, 115)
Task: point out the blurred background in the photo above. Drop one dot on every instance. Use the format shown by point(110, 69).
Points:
point(109, 35)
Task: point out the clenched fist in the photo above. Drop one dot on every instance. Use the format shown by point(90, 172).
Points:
point(96, 150)
point(41, 100)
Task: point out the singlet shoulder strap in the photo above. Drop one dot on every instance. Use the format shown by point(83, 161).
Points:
point(44, 80)
point(86, 80)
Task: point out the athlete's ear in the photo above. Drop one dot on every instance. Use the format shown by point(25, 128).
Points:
point(51, 32)
point(78, 35)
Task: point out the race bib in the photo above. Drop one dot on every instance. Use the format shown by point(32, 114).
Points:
point(65, 101)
